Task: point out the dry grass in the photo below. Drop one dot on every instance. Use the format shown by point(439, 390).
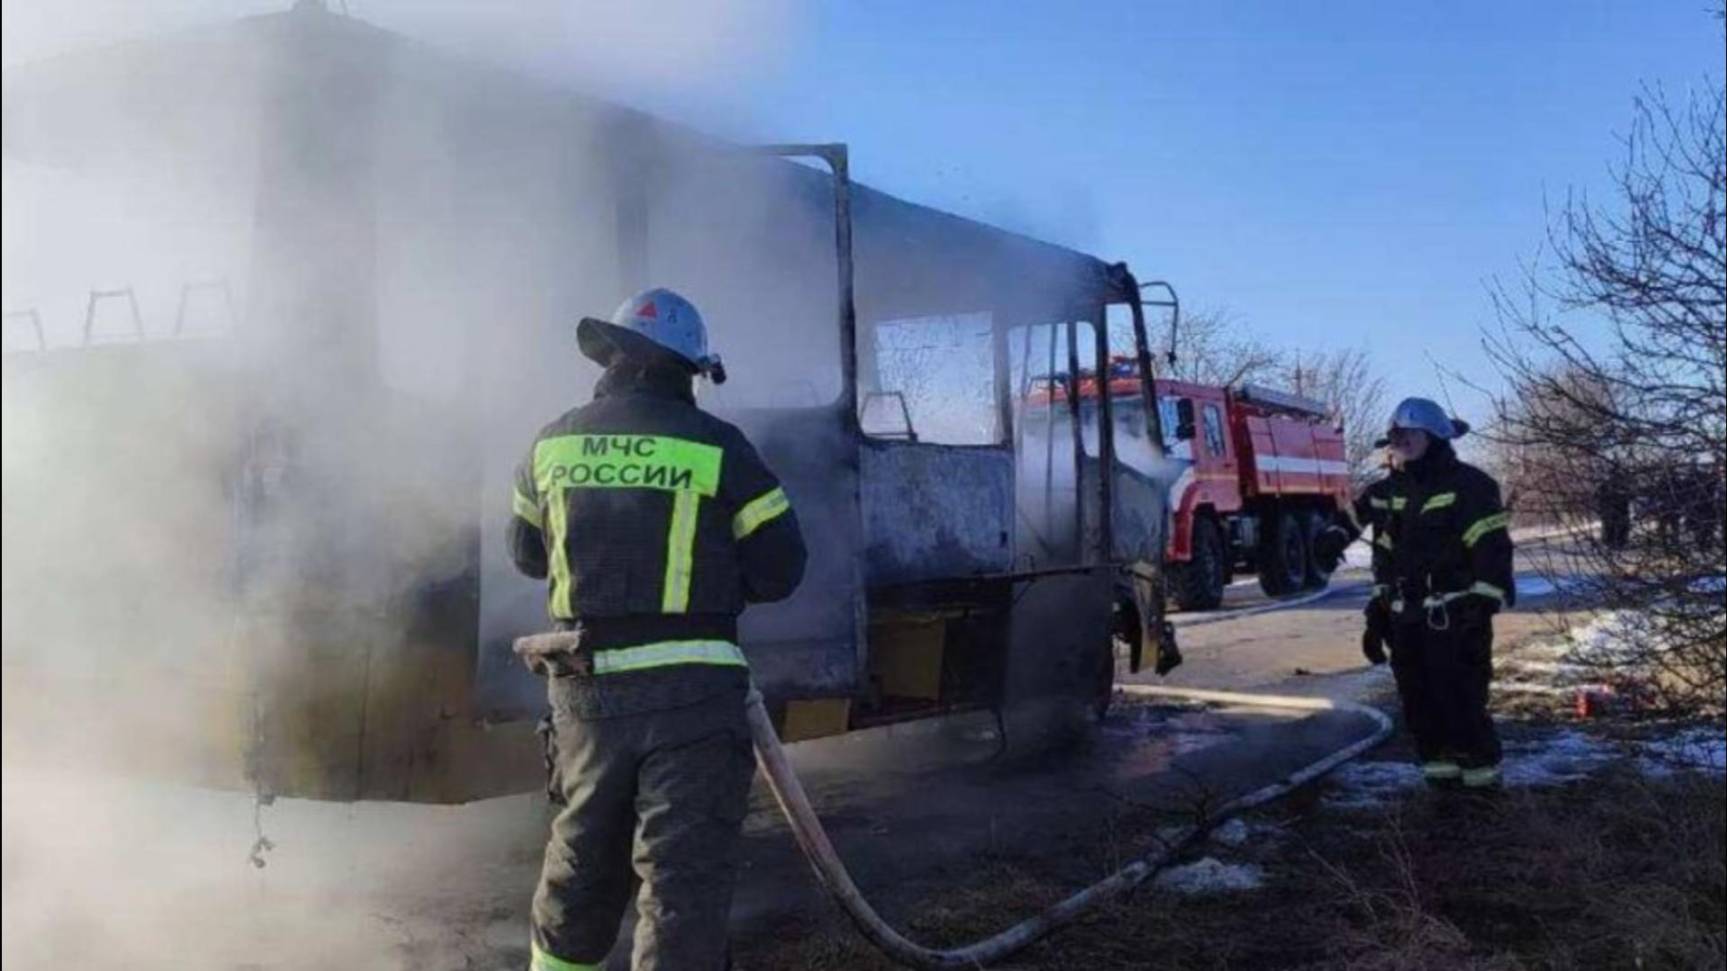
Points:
point(1624, 872)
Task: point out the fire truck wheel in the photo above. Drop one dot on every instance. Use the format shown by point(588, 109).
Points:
point(1199, 582)
point(1283, 556)
point(1317, 576)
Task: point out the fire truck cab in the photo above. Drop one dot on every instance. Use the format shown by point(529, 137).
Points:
point(1254, 473)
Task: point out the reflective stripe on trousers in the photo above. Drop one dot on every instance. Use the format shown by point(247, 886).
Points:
point(548, 962)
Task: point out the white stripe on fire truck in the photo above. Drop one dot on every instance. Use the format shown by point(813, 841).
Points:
point(1292, 463)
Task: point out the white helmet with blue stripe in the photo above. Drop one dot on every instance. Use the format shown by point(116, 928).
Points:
point(650, 324)
point(1426, 414)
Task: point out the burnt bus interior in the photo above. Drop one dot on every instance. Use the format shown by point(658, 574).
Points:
point(377, 254)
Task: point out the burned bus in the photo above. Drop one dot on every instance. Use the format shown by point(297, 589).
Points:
point(254, 510)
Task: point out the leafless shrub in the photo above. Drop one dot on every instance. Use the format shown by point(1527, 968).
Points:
point(1345, 380)
point(1614, 422)
point(1394, 928)
point(1215, 347)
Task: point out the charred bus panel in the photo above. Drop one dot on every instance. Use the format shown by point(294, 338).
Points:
point(414, 256)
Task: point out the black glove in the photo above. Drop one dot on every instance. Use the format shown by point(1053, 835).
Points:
point(1328, 547)
point(1376, 636)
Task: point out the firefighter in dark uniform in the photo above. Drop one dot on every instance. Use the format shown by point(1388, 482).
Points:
point(1451, 571)
point(655, 523)
point(1441, 569)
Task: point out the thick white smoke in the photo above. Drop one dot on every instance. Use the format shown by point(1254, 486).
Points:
point(241, 519)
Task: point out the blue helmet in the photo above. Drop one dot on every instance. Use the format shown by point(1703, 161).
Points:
point(652, 323)
point(1426, 415)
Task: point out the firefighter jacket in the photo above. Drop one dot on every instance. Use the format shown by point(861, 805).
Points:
point(654, 523)
point(1451, 547)
point(1371, 513)
point(1376, 509)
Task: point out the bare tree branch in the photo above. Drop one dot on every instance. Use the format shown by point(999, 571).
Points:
point(1615, 415)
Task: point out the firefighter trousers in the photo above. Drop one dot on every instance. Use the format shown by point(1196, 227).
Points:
point(658, 796)
point(1442, 679)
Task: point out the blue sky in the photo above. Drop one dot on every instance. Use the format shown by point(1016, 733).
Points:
point(1334, 174)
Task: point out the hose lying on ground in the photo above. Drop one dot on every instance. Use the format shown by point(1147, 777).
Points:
point(783, 781)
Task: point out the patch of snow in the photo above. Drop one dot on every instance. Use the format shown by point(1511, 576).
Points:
point(1555, 759)
point(1235, 832)
point(1694, 749)
point(1370, 785)
point(1211, 876)
point(1617, 636)
point(1551, 759)
point(1548, 667)
point(1714, 584)
point(1569, 756)
point(1531, 533)
point(1358, 554)
point(1612, 638)
point(1530, 586)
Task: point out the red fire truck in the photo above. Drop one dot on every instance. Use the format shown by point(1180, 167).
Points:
point(1258, 473)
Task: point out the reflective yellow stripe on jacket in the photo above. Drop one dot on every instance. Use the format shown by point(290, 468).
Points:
point(680, 552)
point(563, 582)
point(1486, 524)
point(760, 511)
point(527, 509)
point(666, 653)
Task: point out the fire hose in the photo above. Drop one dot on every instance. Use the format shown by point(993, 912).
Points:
point(813, 839)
